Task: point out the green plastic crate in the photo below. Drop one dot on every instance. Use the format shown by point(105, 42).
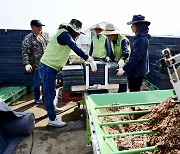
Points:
point(11, 94)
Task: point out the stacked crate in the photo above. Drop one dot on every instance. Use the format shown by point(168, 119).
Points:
point(99, 76)
point(113, 78)
point(11, 68)
point(158, 76)
point(72, 75)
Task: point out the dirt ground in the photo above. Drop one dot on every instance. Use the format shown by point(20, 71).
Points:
point(46, 139)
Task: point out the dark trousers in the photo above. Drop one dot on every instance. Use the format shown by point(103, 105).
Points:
point(135, 83)
point(37, 82)
point(122, 88)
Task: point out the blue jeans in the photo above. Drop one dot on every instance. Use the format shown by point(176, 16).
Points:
point(37, 82)
point(48, 76)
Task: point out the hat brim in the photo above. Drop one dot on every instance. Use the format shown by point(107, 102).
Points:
point(133, 22)
point(111, 32)
point(75, 30)
point(93, 29)
point(39, 25)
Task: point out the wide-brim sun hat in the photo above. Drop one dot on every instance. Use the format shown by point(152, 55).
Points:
point(97, 26)
point(110, 29)
point(75, 25)
point(137, 19)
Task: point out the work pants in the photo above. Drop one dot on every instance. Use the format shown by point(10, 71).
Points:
point(48, 76)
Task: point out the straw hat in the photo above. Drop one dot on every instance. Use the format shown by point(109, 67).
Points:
point(96, 26)
point(110, 29)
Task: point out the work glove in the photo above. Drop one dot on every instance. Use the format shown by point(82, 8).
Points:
point(29, 68)
point(121, 63)
point(108, 59)
point(120, 71)
point(92, 64)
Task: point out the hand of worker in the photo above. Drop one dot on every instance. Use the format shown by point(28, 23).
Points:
point(108, 59)
point(121, 63)
point(120, 71)
point(29, 68)
point(92, 64)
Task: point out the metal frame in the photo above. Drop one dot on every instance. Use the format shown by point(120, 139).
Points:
point(104, 142)
point(98, 86)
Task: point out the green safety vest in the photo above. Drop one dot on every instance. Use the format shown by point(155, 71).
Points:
point(99, 49)
point(117, 49)
point(56, 55)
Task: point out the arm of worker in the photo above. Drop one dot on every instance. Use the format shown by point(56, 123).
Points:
point(125, 53)
point(139, 49)
point(108, 50)
point(125, 49)
point(66, 39)
point(26, 52)
point(111, 55)
point(91, 49)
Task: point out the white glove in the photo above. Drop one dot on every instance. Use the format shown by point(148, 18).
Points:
point(121, 63)
point(108, 59)
point(29, 68)
point(120, 72)
point(92, 64)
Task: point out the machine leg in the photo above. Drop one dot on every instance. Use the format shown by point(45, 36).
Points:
point(88, 133)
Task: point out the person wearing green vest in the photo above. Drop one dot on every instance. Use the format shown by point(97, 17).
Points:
point(54, 58)
point(120, 46)
point(100, 48)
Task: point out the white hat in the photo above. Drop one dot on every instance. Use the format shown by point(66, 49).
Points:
point(110, 29)
point(96, 26)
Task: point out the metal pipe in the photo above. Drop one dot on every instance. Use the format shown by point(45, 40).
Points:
point(125, 122)
point(128, 134)
point(124, 113)
point(126, 105)
point(136, 150)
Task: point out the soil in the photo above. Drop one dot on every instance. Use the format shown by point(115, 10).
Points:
point(166, 126)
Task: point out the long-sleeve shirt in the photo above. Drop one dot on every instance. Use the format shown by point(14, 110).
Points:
point(66, 39)
point(138, 64)
point(33, 48)
point(125, 49)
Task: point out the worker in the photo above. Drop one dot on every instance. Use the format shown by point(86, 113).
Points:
point(33, 47)
point(120, 46)
point(100, 48)
point(53, 60)
point(138, 65)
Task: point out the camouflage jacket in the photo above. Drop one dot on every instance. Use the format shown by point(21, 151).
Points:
point(33, 49)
